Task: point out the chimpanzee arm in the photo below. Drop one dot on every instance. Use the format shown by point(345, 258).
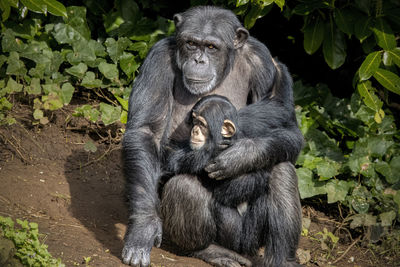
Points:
point(269, 125)
point(245, 188)
point(149, 108)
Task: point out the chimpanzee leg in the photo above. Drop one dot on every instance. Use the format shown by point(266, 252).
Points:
point(186, 213)
point(188, 220)
point(283, 217)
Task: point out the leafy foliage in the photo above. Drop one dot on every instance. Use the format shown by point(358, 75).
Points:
point(30, 250)
point(53, 59)
point(349, 156)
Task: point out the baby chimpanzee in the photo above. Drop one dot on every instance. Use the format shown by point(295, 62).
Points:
point(214, 122)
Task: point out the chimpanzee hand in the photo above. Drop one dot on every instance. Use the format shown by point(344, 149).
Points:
point(138, 242)
point(239, 158)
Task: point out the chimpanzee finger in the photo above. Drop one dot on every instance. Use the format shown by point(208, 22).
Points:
point(211, 167)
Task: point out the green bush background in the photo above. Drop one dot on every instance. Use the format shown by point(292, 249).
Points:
point(55, 52)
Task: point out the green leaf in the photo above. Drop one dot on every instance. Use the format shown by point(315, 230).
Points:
point(34, 88)
point(52, 101)
point(388, 79)
point(359, 220)
point(38, 114)
point(384, 34)
point(362, 28)
point(116, 49)
point(344, 19)
point(15, 66)
point(55, 8)
point(337, 190)
point(109, 114)
point(313, 36)
point(387, 218)
point(90, 147)
point(35, 5)
point(110, 71)
point(5, 104)
point(395, 55)
point(67, 90)
point(77, 70)
point(370, 65)
point(124, 117)
point(370, 99)
point(334, 47)
point(90, 80)
point(128, 64)
point(359, 199)
point(13, 86)
point(124, 102)
point(280, 3)
point(307, 186)
point(395, 167)
point(327, 169)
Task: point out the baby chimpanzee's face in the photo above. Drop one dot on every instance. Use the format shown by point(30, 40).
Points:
point(201, 133)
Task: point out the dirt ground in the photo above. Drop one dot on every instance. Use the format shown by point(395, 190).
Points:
point(77, 197)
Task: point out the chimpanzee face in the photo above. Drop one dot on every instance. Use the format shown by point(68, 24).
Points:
point(201, 133)
point(206, 47)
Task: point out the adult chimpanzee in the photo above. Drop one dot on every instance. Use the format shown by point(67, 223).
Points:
point(214, 124)
point(211, 53)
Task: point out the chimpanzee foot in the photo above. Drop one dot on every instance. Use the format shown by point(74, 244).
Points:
point(221, 257)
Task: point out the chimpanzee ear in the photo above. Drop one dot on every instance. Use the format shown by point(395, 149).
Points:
point(178, 20)
point(228, 129)
point(241, 37)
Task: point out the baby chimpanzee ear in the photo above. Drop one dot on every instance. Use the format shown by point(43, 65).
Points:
point(228, 129)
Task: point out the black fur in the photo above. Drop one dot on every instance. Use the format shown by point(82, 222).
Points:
point(166, 89)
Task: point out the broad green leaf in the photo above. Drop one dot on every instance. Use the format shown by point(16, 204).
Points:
point(77, 70)
point(362, 28)
point(34, 88)
point(6, 8)
point(15, 66)
point(52, 101)
point(124, 117)
point(35, 5)
point(55, 8)
point(395, 167)
point(116, 49)
point(384, 34)
point(395, 55)
point(13, 86)
point(370, 65)
point(359, 220)
point(378, 146)
point(37, 114)
point(5, 104)
point(128, 64)
point(280, 3)
point(388, 79)
point(67, 90)
point(90, 81)
point(327, 169)
point(77, 20)
point(307, 186)
point(359, 199)
point(344, 19)
point(110, 71)
point(313, 36)
point(387, 218)
point(396, 199)
point(90, 147)
point(334, 46)
point(242, 2)
point(109, 114)
point(370, 99)
point(124, 102)
point(306, 7)
point(337, 190)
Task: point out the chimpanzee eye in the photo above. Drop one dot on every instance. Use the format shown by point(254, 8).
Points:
point(191, 44)
point(211, 47)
